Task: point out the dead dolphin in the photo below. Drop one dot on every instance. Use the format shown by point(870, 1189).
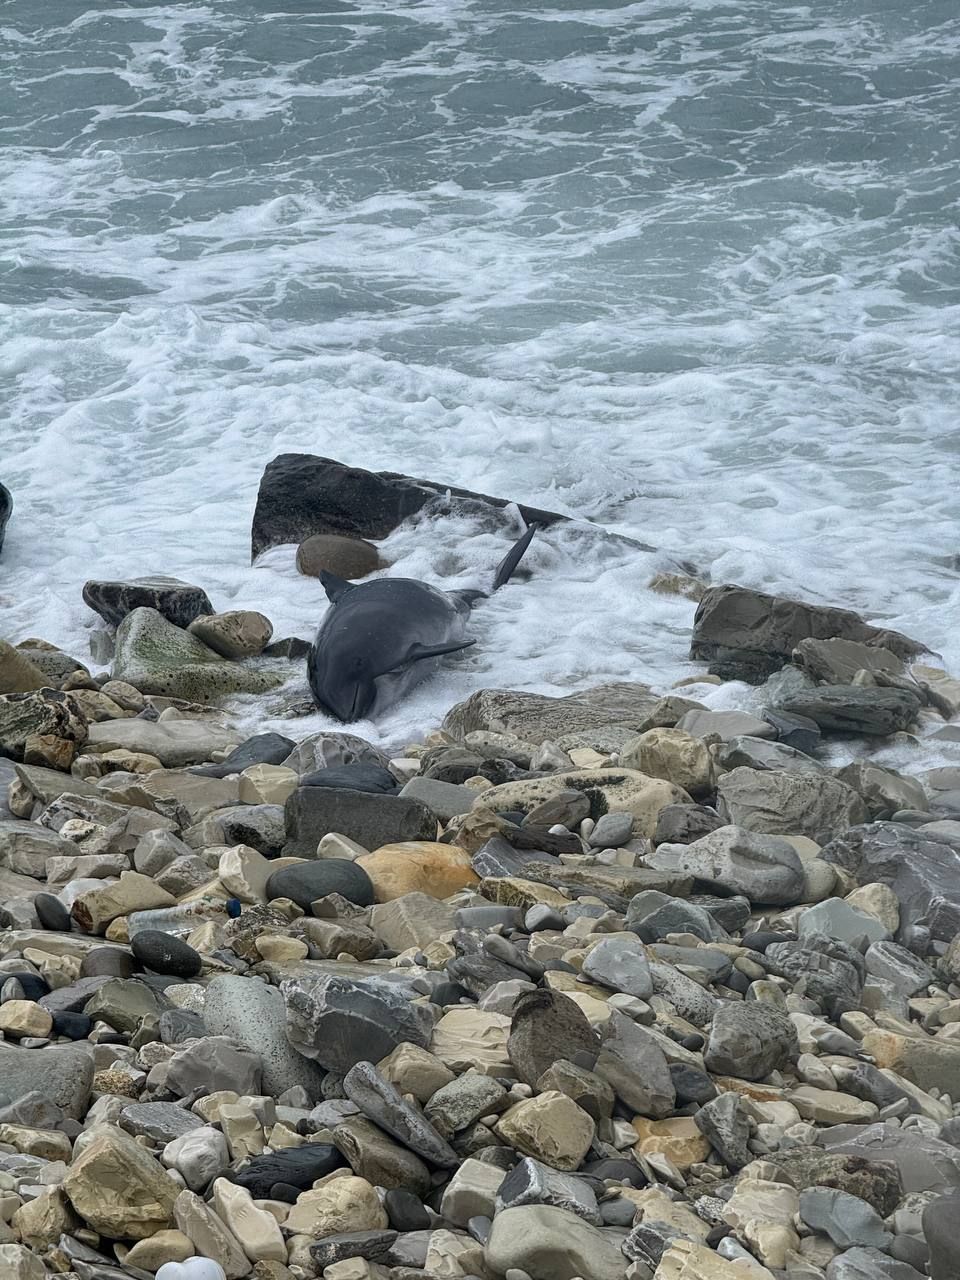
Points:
point(378, 639)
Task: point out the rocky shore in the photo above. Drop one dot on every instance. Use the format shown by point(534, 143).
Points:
point(611, 986)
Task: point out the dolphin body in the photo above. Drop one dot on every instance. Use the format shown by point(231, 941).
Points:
point(379, 639)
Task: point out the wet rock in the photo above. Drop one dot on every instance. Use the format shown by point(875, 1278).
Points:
point(159, 658)
point(338, 1022)
point(618, 709)
point(757, 753)
point(349, 558)
point(609, 790)
point(6, 508)
point(178, 602)
point(241, 633)
point(883, 791)
point(749, 1041)
point(546, 1026)
point(848, 708)
point(761, 867)
point(361, 776)
point(738, 619)
point(869, 1264)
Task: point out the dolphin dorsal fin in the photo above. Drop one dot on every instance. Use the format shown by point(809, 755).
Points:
point(418, 652)
point(513, 557)
point(332, 585)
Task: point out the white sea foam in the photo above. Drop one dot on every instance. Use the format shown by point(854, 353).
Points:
point(689, 271)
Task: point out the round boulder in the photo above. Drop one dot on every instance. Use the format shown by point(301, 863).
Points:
point(349, 558)
point(305, 882)
point(418, 866)
point(164, 953)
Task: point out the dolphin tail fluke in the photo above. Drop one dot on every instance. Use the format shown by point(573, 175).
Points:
point(513, 557)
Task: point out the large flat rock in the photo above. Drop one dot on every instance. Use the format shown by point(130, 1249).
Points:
point(612, 713)
point(301, 494)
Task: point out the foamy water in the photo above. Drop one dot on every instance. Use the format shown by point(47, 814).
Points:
point(690, 271)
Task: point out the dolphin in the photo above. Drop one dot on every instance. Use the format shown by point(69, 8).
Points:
point(379, 639)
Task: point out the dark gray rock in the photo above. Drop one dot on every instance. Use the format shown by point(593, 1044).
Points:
point(63, 1074)
point(179, 1025)
point(262, 826)
point(177, 601)
point(406, 1211)
point(330, 749)
point(799, 732)
point(736, 618)
point(374, 1155)
point(362, 776)
point(632, 1063)
point(760, 753)
point(859, 709)
point(685, 823)
point(750, 1040)
point(166, 953)
point(546, 1026)
point(298, 1167)
point(923, 873)
point(305, 882)
point(263, 748)
point(868, 1082)
point(652, 915)
point(530, 1182)
point(159, 1121)
point(370, 819)
point(461, 1103)
point(691, 1084)
point(72, 1026)
point(382, 1103)
point(825, 969)
point(375, 1246)
point(339, 1022)
point(52, 913)
point(302, 494)
point(6, 509)
point(846, 1219)
point(724, 1123)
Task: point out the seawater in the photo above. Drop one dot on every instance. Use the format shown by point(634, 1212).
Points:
point(688, 270)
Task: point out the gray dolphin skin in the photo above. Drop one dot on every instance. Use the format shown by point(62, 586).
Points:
point(379, 639)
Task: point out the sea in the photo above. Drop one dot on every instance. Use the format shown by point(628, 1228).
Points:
point(690, 271)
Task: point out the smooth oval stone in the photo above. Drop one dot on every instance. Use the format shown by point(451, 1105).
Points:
point(75, 1026)
point(304, 882)
point(51, 912)
point(12, 990)
point(353, 777)
point(32, 984)
point(111, 962)
point(616, 1170)
point(163, 953)
point(449, 993)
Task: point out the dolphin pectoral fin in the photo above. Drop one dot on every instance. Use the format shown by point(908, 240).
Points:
point(417, 653)
point(513, 557)
point(332, 585)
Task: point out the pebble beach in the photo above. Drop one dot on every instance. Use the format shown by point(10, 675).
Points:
point(610, 986)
